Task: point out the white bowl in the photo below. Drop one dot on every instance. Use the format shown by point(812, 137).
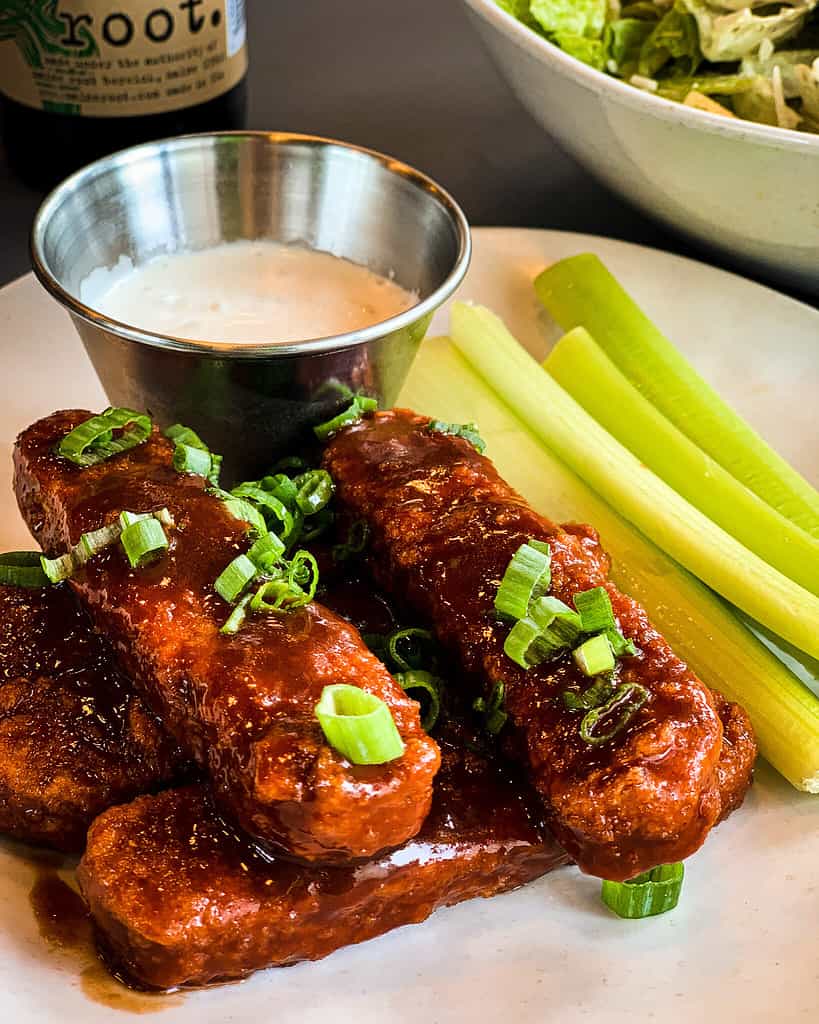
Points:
point(747, 189)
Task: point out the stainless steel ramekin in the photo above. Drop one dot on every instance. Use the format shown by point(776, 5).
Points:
point(250, 401)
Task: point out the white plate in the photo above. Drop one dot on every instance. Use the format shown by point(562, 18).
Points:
point(742, 943)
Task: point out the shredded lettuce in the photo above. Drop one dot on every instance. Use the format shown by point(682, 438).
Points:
point(696, 49)
point(674, 38)
point(725, 37)
point(570, 17)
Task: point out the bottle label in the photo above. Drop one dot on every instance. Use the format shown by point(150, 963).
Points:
point(108, 58)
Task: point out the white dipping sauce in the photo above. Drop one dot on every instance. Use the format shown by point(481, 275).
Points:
point(246, 292)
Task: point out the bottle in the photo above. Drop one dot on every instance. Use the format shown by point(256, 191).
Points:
point(83, 78)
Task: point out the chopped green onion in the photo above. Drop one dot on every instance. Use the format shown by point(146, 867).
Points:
point(315, 489)
point(281, 487)
point(143, 542)
point(60, 568)
point(180, 434)
point(621, 644)
point(162, 515)
point(594, 607)
point(286, 593)
point(237, 617)
point(356, 542)
point(654, 892)
point(550, 628)
point(243, 510)
point(23, 569)
point(598, 693)
point(410, 649)
point(521, 644)
point(358, 725)
point(266, 502)
point(235, 577)
point(494, 716)
point(92, 442)
point(92, 543)
point(318, 524)
point(266, 551)
point(304, 573)
point(468, 431)
point(594, 656)
point(613, 716)
point(187, 459)
point(352, 414)
point(527, 576)
point(417, 680)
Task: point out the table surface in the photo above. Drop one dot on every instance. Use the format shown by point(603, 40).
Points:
point(413, 80)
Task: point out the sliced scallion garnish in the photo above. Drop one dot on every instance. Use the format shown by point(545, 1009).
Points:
point(96, 540)
point(266, 551)
point(236, 619)
point(180, 434)
point(594, 607)
point(281, 487)
point(358, 725)
point(243, 510)
point(603, 723)
point(468, 431)
point(357, 537)
point(93, 442)
point(235, 577)
point(594, 656)
point(359, 406)
point(23, 569)
point(428, 690)
point(143, 542)
point(654, 892)
point(621, 645)
point(598, 693)
point(270, 507)
point(527, 576)
point(60, 568)
point(304, 573)
point(494, 716)
point(410, 649)
point(314, 490)
point(187, 459)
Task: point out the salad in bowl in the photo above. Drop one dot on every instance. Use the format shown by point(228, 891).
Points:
point(758, 61)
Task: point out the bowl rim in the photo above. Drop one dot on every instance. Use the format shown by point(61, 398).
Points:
point(646, 102)
point(248, 350)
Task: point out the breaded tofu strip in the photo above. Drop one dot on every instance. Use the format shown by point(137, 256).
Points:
point(177, 899)
point(74, 737)
point(444, 527)
point(242, 706)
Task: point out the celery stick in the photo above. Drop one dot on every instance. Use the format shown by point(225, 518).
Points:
point(700, 627)
point(666, 518)
point(583, 369)
point(580, 292)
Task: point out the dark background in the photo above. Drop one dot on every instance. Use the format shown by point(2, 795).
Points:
point(410, 78)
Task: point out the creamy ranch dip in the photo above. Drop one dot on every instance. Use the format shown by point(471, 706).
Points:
point(248, 291)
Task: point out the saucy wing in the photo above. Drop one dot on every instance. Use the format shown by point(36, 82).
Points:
point(443, 529)
point(242, 706)
point(151, 867)
point(74, 737)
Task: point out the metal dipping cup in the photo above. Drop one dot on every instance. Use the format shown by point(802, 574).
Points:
point(251, 402)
